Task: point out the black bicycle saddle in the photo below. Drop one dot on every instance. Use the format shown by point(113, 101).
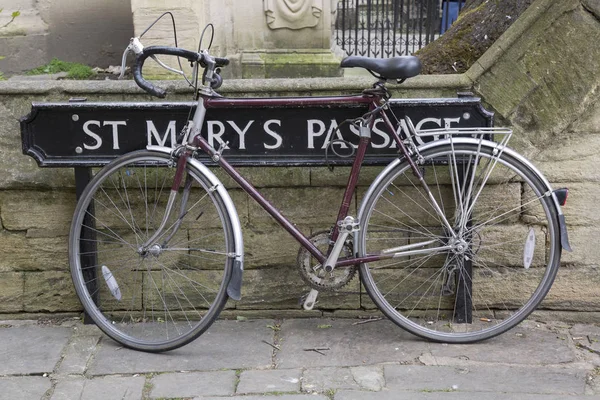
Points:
point(402, 67)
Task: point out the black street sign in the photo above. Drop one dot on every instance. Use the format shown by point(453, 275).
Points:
point(92, 134)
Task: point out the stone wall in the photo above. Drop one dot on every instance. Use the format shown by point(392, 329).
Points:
point(541, 78)
point(93, 32)
point(36, 204)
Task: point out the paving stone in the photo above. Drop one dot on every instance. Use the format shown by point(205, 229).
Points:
point(24, 387)
point(398, 395)
point(321, 379)
point(190, 384)
point(77, 354)
point(479, 378)
point(278, 397)
point(114, 387)
point(227, 344)
point(349, 345)
point(369, 378)
point(517, 346)
point(587, 336)
point(31, 349)
point(68, 389)
point(280, 380)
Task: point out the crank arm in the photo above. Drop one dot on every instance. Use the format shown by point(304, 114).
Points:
point(311, 300)
point(346, 226)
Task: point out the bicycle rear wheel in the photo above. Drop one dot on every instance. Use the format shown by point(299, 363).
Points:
point(166, 296)
point(481, 273)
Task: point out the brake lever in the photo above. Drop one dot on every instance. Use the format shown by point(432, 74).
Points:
point(134, 45)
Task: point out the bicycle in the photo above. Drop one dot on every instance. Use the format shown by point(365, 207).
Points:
point(457, 240)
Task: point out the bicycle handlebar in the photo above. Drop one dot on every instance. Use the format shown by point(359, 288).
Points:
point(204, 59)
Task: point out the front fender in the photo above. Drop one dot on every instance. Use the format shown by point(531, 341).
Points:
point(234, 286)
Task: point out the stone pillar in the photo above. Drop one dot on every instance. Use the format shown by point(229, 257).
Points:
point(262, 38)
point(286, 38)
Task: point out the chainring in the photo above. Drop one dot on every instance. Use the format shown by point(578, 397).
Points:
point(315, 275)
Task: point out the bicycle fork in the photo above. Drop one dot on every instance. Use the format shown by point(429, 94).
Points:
point(149, 245)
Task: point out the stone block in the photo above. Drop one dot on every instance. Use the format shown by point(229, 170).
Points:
point(349, 345)
point(50, 291)
point(574, 289)
point(322, 379)
point(20, 253)
point(284, 380)
point(577, 210)
point(68, 389)
point(503, 97)
point(590, 120)
point(269, 246)
point(571, 158)
point(273, 313)
point(214, 383)
point(268, 176)
point(116, 387)
point(11, 291)
point(206, 353)
point(583, 240)
point(302, 206)
point(22, 210)
point(77, 354)
point(24, 387)
point(162, 33)
point(31, 350)
point(506, 379)
point(282, 287)
point(323, 176)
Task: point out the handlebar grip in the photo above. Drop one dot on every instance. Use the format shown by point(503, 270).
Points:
point(144, 84)
point(152, 50)
point(221, 62)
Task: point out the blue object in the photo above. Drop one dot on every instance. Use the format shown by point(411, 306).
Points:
point(450, 10)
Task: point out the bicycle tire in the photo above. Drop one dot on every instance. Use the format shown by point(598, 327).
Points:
point(490, 283)
point(163, 298)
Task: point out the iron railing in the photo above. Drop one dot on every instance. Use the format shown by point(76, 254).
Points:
point(387, 28)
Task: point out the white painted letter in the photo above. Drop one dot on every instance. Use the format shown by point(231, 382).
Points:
point(152, 131)
point(312, 133)
point(273, 134)
point(379, 132)
point(438, 121)
point(216, 133)
point(334, 128)
point(95, 136)
point(115, 131)
point(448, 122)
point(241, 133)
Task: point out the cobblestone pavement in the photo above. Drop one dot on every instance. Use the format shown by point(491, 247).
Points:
point(300, 359)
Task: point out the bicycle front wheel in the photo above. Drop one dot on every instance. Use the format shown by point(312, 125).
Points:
point(473, 257)
point(164, 295)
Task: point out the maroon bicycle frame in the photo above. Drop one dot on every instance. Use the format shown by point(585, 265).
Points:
point(372, 101)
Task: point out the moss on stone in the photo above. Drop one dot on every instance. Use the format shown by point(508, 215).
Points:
point(479, 25)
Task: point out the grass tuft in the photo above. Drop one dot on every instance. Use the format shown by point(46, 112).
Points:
point(73, 70)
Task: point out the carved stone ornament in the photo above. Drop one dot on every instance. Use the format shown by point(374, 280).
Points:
point(293, 14)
